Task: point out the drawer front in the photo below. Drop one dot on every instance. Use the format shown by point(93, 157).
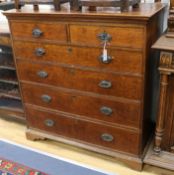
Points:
point(121, 60)
point(125, 113)
point(39, 31)
point(109, 137)
point(69, 77)
point(132, 37)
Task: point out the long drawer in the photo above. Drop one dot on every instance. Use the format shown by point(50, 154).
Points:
point(89, 132)
point(81, 79)
point(124, 36)
point(121, 60)
point(39, 31)
point(94, 107)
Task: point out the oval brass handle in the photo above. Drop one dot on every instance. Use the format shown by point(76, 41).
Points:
point(105, 84)
point(42, 74)
point(37, 33)
point(46, 98)
point(106, 110)
point(49, 122)
point(39, 52)
point(106, 61)
point(104, 36)
point(107, 137)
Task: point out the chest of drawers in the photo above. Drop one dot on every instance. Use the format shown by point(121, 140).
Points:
point(71, 93)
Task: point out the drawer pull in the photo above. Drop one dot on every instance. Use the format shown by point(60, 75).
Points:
point(104, 37)
point(39, 52)
point(107, 137)
point(42, 74)
point(46, 98)
point(49, 122)
point(106, 110)
point(106, 61)
point(37, 33)
point(105, 84)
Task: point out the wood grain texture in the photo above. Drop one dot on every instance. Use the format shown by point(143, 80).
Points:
point(75, 83)
point(161, 152)
point(50, 31)
point(124, 113)
point(123, 60)
point(168, 138)
point(161, 113)
point(81, 33)
point(72, 128)
point(82, 79)
point(140, 15)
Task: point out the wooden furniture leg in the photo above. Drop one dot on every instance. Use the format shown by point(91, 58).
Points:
point(161, 114)
point(17, 4)
point(57, 5)
point(75, 5)
point(125, 5)
point(33, 136)
point(36, 4)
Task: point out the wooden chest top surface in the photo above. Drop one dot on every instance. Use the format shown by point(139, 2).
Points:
point(143, 12)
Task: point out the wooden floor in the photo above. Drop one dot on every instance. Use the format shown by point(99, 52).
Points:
point(15, 132)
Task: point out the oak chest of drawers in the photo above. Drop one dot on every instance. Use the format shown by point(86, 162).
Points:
point(75, 94)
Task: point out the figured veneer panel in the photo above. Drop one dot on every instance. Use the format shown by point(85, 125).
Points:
point(50, 31)
point(123, 60)
point(85, 131)
point(123, 36)
point(125, 113)
point(86, 80)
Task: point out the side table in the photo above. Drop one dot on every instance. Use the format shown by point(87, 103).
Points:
point(161, 152)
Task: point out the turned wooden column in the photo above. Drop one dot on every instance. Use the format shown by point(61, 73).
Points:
point(35, 3)
point(16, 4)
point(165, 69)
point(161, 113)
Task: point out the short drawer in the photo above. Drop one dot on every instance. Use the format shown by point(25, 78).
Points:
point(103, 109)
point(39, 31)
point(82, 79)
point(130, 36)
point(85, 131)
point(120, 60)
